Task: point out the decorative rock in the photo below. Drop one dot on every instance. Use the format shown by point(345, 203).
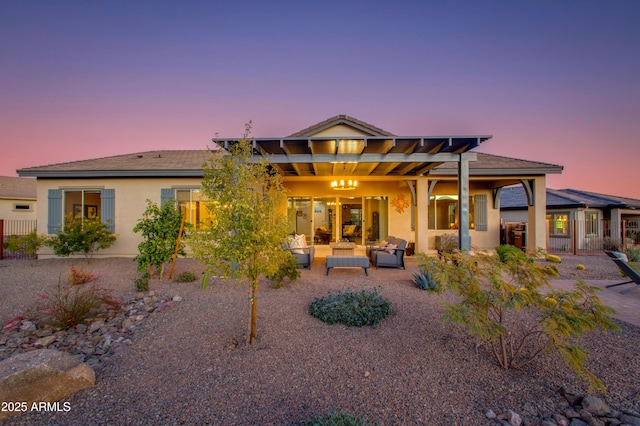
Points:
point(595, 406)
point(27, 326)
point(95, 326)
point(514, 418)
point(177, 298)
point(578, 422)
point(127, 323)
point(43, 342)
point(630, 419)
point(560, 419)
point(43, 375)
point(490, 414)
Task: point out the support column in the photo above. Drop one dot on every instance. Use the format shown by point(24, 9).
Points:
point(537, 215)
point(464, 241)
point(616, 232)
point(422, 214)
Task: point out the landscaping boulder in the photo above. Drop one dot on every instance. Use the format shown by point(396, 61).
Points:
point(44, 375)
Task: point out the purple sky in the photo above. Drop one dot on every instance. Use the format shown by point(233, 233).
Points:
point(552, 81)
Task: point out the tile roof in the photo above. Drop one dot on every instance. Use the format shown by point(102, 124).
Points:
point(301, 154)
point(148, 163)
point(16, 187)
point(514, 198)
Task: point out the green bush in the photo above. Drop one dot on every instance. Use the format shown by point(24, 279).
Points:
point(633, 254)
point(160, 231)
point(288, 270)
point(507, 251)
point(352, 309)
point(29, 244)
point(142, 282)
point(185, 277)
point(85, 236)
point(339, 419)
point(512, 306)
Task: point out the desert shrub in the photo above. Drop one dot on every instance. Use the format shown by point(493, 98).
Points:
point(506, 251)
point(80, 276)
point(512, 307)
point(580, 267)
point(85, 236)
point(339, 419)
point(366, 307)
point(142, 281)
point(633, 254)
point(29, 244)
point(68, 305)
point(185, 277)
point(447, 243)
point(288, 270)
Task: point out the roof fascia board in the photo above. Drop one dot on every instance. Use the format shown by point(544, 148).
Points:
point(111, 173)
point(365, 158)
point(498, 172)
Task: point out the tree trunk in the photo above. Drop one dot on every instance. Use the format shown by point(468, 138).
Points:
point(253, 312)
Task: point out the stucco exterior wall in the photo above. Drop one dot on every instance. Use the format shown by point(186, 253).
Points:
point(130, 204)
point(8, 211)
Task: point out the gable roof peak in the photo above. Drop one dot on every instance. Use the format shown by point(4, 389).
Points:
point(341, 119)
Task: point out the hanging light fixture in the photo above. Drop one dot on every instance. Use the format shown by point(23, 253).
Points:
point(344, 185)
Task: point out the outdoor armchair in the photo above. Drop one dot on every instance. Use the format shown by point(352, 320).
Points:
point(392, 257)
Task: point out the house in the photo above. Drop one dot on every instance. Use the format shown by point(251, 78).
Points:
point(17, 198)
point(345, 179)
point(577, 221)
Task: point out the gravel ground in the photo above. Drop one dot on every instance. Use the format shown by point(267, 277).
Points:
point(184, 366)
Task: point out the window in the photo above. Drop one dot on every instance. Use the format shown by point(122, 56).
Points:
point(192, 202)
point(443, 212)
point(82, 204)
point(591, 221)
point(79, 204)
point(22, 207)
point(558, 223)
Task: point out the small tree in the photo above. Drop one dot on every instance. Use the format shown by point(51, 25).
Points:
point(160, 229)
point(510, 304)
point(248, 225)
point(85, 236)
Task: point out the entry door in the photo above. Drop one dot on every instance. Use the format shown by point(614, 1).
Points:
point(351, 219)
point(324, 219)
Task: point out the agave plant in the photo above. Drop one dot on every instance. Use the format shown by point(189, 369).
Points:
point(425, 281)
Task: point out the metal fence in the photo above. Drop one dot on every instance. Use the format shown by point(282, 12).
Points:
point(10, 233)
point(583, 238)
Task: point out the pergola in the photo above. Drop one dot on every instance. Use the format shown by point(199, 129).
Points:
point(372, 156)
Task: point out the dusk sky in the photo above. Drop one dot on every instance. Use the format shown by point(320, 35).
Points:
point(552, 81)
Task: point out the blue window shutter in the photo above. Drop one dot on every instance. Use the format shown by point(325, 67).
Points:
point(166, 194)
point(108, 210)
point(481, 213)
point(54, 224)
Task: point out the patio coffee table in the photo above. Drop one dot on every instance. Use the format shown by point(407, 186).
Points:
point(343, 249)
point(347, 262)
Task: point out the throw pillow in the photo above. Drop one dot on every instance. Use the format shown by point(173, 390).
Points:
point(299, 243)
point(391, 248)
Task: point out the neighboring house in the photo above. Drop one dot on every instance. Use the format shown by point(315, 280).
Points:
point(586, 220)
point(413, 187)
point(17, 198)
